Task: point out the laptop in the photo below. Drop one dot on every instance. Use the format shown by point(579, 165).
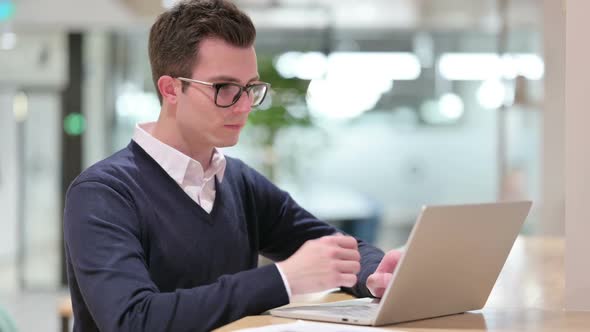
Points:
point(453, 258)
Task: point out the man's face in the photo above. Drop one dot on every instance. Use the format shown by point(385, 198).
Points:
point(202, 124)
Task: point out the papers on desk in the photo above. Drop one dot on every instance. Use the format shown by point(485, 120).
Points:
point(304, 326)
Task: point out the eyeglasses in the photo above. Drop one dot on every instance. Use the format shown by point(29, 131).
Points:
point(227, 94)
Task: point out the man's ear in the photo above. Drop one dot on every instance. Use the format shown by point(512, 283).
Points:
point(167, 87)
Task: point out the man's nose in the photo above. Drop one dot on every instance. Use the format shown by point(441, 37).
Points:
point(244, 104)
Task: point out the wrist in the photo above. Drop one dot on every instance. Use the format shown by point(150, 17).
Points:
point(285, 281)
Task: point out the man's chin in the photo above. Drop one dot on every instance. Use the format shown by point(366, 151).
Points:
point(227, 143)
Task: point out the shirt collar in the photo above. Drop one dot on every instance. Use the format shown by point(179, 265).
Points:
point(176, 163)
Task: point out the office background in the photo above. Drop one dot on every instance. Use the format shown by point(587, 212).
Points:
point(378, 107)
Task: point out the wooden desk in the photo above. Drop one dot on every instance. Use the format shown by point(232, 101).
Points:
point(527, 297)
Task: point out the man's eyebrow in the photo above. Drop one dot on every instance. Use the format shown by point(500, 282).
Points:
point(225, 78)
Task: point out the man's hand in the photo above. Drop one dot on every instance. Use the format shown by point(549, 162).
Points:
point(321, 264)
point(378, 281)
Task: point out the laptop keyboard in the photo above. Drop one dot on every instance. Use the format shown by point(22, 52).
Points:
point(357, 310)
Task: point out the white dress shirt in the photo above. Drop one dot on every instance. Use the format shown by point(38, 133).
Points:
point(197, 183)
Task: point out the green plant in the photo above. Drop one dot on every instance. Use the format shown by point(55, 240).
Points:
point(287, 107)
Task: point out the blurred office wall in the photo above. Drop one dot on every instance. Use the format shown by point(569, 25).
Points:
point(371, 144)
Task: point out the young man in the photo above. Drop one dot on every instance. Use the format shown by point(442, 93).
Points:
point(164, 235)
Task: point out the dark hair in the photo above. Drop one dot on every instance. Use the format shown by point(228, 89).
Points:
point(176, 34)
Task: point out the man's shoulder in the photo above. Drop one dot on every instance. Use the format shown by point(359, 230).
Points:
point(112, 170)
point(243, 174)
point(235, 167)
point(234, 163)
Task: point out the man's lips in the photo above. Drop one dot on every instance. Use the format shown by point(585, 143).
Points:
point(234, 126)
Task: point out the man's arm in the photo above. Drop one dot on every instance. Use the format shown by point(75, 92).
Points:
point(285, 227)
point(102, 233)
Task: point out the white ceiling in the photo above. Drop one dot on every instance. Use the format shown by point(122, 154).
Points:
point(395, 14)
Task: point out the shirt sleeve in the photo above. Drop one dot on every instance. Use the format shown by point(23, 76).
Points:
point(285, 281)
point(109, 266)
point(285, 226)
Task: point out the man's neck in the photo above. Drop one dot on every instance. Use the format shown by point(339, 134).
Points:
point(166, 132)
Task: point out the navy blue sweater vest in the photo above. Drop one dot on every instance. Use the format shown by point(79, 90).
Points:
point(143, 256)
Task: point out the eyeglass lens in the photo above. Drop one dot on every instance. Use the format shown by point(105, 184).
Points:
point(228, 94)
